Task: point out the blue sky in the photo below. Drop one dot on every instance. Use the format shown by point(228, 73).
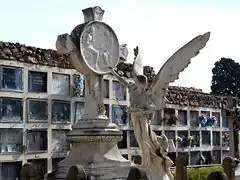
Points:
point(159, 27)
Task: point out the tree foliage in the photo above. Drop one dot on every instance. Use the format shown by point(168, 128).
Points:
point(226, 78)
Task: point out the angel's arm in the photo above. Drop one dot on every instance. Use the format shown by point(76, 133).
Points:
point(121, 80)
point(135, 77)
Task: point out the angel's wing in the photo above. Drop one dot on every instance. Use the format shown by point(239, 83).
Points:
point(173, 66)
point(138, 65)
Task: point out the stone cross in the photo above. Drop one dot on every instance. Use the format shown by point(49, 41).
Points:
point(94, 50)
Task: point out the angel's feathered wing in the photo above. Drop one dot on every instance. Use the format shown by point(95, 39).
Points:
point(138, 66)
point(174, 65)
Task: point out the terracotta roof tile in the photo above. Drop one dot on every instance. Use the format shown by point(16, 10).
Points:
point(48, 57)
point(33, 55)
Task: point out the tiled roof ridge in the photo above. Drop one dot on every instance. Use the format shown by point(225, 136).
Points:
point(33, 55)
point(185, 96)
point(50, 57)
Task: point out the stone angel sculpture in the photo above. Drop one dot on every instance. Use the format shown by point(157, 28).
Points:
point(146, 98)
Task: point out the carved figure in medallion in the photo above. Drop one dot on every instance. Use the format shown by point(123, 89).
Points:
point(146, 98)
point(108, 46)
point(92, 51)
point(99, 47)
point(99, 50)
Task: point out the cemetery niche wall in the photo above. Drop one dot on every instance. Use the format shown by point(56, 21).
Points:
point(39, 102)
point(183, 100)
point(181, 115)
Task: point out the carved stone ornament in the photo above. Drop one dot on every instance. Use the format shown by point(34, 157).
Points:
point(99, 47)
point(81, 139)
point(93, 46)
point(93, 14)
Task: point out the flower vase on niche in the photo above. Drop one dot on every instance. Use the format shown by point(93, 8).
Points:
point(207, 121)
point(118, 116)
point(4, 149)
point(203, 120)
point(184, 142)
point(226, 138)
point(195, 141)
point(79, 85)
point(213, 121)
point(172, 121)
point(10, 148)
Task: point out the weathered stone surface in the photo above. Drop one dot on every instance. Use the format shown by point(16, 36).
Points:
point(29, 172)
point(76, 172)
point(137, 174)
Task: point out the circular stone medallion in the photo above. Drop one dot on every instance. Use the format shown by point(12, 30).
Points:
point(99, 47)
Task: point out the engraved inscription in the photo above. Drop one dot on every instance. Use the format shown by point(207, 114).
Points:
point(91, 138)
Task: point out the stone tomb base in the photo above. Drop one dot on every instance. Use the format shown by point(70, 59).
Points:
point(94, 149)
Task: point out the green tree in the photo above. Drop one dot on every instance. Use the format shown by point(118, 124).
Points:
point(226, 77)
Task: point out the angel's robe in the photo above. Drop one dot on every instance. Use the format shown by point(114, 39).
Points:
point(140, 99)
point(153, 148)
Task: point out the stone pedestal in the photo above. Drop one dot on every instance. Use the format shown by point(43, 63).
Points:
point(94, 147)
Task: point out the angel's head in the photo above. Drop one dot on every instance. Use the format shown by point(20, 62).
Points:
point(143, 80)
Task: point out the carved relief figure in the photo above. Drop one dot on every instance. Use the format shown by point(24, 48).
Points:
point(107, 48)
point(99, 47)
point(92, 51)
point(145, 99)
